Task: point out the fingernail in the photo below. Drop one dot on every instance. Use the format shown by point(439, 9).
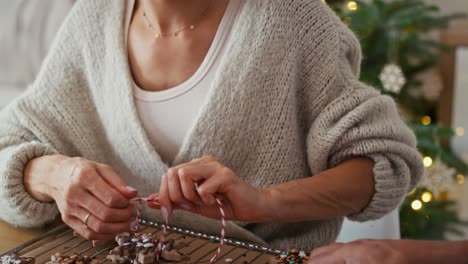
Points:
point(133, 224)
point(131, 189)
point(154, 203)
point(186, 206)
point(165, 213)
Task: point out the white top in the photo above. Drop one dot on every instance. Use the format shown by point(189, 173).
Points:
point(168, 115)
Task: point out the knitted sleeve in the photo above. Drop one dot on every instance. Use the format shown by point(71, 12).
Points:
point(17, 148)
point(30, 125)
point(352, 119)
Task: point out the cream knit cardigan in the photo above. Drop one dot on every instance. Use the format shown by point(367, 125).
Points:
point(286, 104)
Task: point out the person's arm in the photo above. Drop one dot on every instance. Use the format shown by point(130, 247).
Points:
point(362, 154)
point(350, 119)
point(17, 148)
point(393, 252)
point(344, 190)
point(34, 127)
point(346, 122)
point(22, 137)
point(432, 252)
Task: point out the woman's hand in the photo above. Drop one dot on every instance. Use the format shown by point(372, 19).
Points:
point(360, 251)
point(193, 186)
point(81, 187)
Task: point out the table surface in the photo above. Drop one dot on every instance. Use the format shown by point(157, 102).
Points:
point(11, 237)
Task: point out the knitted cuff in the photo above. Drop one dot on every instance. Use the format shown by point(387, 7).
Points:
point(390, 187)
point(17, 206)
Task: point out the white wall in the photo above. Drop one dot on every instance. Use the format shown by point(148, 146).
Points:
point(9, 93)
point(460, 119)
point(460, 108)
point(460, 144)
point(450, 6)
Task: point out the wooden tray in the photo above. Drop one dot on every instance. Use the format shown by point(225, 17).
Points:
point(201, 247)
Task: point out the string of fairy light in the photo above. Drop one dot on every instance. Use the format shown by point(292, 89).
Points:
point(426, 197)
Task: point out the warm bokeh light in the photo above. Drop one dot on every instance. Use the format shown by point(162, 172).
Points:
point(347, 20)
point(460, 179)
point(416, 205)
point(352, 5)
point(426, 197)
point(460, 131)
point(427, 162)
point(426, 120)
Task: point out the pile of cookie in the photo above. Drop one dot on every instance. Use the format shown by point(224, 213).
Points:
point(143, 249)
point(15, 259)
point(292, 256)
point(57, 258)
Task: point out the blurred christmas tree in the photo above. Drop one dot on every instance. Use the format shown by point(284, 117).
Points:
point(400, 59)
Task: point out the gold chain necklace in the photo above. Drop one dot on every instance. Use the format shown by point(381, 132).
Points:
point(159, 34)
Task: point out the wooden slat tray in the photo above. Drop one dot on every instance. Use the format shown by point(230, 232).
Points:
point(201, 247)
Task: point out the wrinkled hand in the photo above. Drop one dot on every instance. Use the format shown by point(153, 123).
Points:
point(84, 187)
point(193, 186)
point(358, 252)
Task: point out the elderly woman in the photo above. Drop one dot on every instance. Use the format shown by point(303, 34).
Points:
point(257, 102)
